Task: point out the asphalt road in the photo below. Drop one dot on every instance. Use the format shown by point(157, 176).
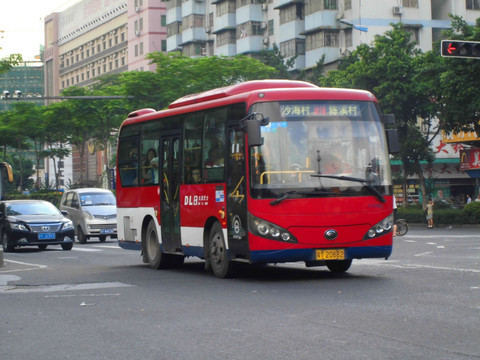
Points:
point(101, 302)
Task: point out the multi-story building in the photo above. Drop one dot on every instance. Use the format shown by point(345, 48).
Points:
point(22, 81)
point(309, 29)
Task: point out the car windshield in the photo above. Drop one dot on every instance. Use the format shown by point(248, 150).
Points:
point(97, 199)
point(31, 208)
point(320, 148)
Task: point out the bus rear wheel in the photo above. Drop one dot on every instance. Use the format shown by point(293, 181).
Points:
point(339, 266)
point(154, 254)
point(222, 267)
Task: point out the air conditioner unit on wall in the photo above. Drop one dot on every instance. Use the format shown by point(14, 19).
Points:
point(266, 40)
point(397, 10)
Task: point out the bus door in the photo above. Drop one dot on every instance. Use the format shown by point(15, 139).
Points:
point(237, 194)
point(170, 192)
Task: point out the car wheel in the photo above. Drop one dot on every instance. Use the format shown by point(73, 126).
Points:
point(155, 257)
point(5, 243)
point(67, 246)
point(339, 266)
point(82, 239)
point(42, 247)
point(222, 267)
point(102, 238)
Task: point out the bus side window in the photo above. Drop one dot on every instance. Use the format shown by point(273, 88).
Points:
point(214, 146)
point(192, 149)
point(128, 164)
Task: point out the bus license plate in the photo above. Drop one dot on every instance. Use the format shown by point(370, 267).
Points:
point(330, 254)
point(46, 236)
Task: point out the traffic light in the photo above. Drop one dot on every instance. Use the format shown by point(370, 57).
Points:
point(461, 49)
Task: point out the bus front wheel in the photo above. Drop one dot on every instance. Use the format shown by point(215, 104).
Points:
point(339, 266)
point(221, 266)
point(154, 255)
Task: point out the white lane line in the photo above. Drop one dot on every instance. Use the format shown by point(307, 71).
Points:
point(424, 253)
point(85, 249)
point(62, 287)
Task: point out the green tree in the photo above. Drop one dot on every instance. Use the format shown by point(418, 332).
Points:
point(388, 69)
point(180, 75)
point(6, 64)
point(274, 58)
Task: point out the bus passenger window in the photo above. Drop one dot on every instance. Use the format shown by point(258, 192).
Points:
point(128, 166)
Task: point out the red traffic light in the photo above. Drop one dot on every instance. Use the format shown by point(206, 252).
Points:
point(463, 49)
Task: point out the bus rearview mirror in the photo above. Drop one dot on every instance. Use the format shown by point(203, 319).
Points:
point(254, 132)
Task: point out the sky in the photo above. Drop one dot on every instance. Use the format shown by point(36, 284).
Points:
point(21, 25)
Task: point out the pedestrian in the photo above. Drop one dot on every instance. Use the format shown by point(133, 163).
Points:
point(429, 212)
point(469, 199)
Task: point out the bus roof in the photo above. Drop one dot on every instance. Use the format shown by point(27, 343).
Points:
point(280, 88)
point(236, 89)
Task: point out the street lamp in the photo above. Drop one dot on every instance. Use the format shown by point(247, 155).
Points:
point(356, 27)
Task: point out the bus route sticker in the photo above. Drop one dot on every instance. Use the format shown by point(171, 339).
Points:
point(219, 195)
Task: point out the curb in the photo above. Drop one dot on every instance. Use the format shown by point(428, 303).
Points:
point(1, 258)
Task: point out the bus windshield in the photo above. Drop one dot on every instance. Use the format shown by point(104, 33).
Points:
point(320, 148)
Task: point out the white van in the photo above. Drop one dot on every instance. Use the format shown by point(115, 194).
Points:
point(93, 212)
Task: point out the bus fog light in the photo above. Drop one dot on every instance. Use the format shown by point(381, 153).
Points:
point(274, 232)
point(262, 228)
point(286, 237)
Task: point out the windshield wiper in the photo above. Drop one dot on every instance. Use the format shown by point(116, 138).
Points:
point(283, 197)
point(369, 187)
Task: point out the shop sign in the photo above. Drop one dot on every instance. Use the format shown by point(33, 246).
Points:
point(470, 159)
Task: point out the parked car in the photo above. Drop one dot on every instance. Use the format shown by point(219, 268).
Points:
point(93, 212)
point(34, 222)
point(448, 203)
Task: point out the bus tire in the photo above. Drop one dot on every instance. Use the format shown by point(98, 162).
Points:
point(153, 252)
point(221, 266)
point(338, 266)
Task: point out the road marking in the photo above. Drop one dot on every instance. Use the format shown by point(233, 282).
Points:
point(424, 253)
point(415, 266)
point(61, 287)
point(85, 249)
point(32, 266)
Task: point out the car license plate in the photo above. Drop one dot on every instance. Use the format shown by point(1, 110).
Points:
point(106, 231)
point(46, 236)
point(330, 254)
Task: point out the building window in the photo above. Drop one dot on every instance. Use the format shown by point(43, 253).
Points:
point(291, 13)
point(136, 50)
point(348, 4)
point(226, 37)
point(473, 4)
point(141, 48)
point(321, 39)
point(410, 3)
point(225, 7)
point(330, 4)
point(270, 27)
point(163, 20)
point(415, 32)
point(348, 37)
point(293, 47)
point(164, 45)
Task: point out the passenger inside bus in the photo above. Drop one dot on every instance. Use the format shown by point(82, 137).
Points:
point(194, 177)
point(150, 168)
point(215, 157)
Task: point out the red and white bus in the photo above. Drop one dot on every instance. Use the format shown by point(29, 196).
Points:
point(267, 171)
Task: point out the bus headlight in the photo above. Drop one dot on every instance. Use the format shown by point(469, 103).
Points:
point(269, 230)
point(380, 228)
